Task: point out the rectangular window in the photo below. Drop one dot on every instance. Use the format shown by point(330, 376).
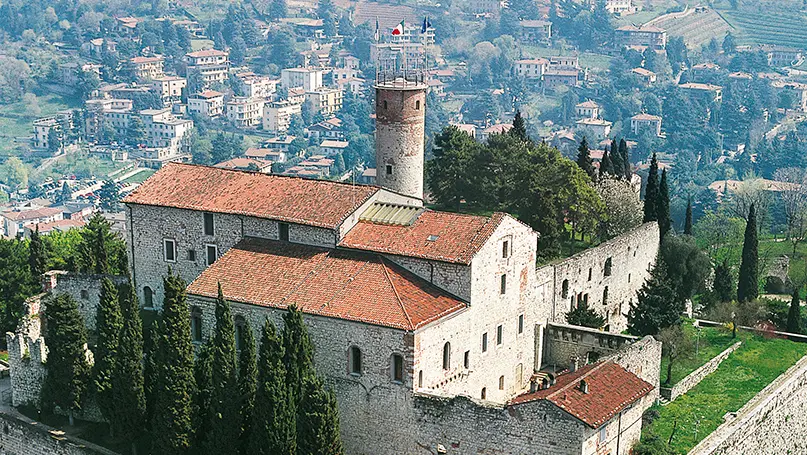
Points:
point(192, 255)
point(283, 230)
point(208, 217)
point(397, 368)
point(169, 250)
point(484, 342)
point(506, 249)
point(212, 254)
point(603, 434)
point(503, 284)
point(499, 335)
point(520, 324)
point(466, 360)
point(389, 169)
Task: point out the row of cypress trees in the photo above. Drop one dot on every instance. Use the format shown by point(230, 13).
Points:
point(219, 402)
point(615, 160)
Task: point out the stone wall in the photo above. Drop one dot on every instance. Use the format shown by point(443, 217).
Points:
point(22, 436)
point(570, 347)
point(607, 289)
point(694, 378)
point(26, 355)
point(773, 422)
point(85, 289)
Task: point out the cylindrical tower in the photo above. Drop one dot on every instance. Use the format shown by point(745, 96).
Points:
point(400, 109)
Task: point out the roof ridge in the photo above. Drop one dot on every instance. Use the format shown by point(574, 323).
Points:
point(478, 233)
point(397, 296)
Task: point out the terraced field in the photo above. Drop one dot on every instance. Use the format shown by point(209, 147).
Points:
point(697, 28)
point(784, 28)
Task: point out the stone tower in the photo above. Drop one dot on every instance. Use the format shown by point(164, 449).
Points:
point(400, 109)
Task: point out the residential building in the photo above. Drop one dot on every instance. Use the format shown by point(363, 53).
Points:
point(354, 85)
point(306, 78)
point(281, 144)
point(796, 91)
point(327, 129)
point(164, 130)
point(325, 100)
point(620, 7)
point(535, 31)
point(212, 65)
point(15, 221)
point(782, 57)
point(245, 112)
point(643, 121)
point(407, 55)
point(265, 154)
point(56, 123)
point(588, 109)
point(564, 62)
point(531, 68)
point(556, 78)
point(53, 226)
point(704, 70)
point(277, 116)
point(599, 128)
point(709, 92)
point(499, 128)
point(331, 147)
point(257, 86)
point(646, 76)
point(413, 33)
point(169, 88)
point(208, 103)
point(631, 35)
point(147, 68)
point(247, 164)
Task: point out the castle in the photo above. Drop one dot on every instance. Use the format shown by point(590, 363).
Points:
point(436, 330)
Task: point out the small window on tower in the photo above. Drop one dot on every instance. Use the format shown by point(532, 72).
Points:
point(385, 104)
point(417, 105)
point(389, 169)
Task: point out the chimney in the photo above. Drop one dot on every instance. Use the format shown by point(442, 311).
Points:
point(583, 386)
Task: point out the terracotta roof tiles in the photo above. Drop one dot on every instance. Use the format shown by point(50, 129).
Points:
point(332, 283)
point(317, 203)
point(611, 389)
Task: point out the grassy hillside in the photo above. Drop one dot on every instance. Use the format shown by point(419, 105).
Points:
point(697, 28)
point(769, 26)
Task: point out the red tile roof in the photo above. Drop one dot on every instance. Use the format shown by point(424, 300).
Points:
point(327, 282)
point(454, 237)
point(611, 389)
point(32, 214)
point(311, 202)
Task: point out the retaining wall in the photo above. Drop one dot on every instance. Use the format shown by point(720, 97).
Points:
point(22, 436)
point(694, 378)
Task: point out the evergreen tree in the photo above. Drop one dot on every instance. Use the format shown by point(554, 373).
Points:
point(274, 429)
point(298, 353)
point(224, 428)
point(174, 382)
point(794, 321)
point(748, 280)
point(625, 154)
point(128, 380)
point(663, 206)
point(658, 306)
point(688, 218)
point(68, 371)
point(66, 194)
point(203, 376)
point(616, 159)
point(37, 254)
point(606, 165)
point(519, 129)
point(247, 384)
point(93, 256)
point(651, 192)
point(109, 322)
point(723, 285)
point(318, 420)
point(584, 158)
point(584, 316)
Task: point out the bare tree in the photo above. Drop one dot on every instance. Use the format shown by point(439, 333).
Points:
point(622, 206)
point(675, 343)
point(750, 191)
point(792, 188)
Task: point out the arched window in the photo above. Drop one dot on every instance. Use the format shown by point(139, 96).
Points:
point(608, 264)
point(564, 289)
point(385, 104)
point(355, 360)
point(605, 296)
point(420, 378)
point(148, 297)
point(240, 328)
point(417, 105)
point(501, 382)
point(196, 324)
point(484, 394)
point(397, 368)
point(589, 273)
point(447, 356)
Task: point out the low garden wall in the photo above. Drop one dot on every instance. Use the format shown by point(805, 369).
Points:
point(22, 436)
point(694, 378)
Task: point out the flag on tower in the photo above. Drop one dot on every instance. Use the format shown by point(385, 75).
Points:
point(426, 25)
point(377, 31)
point(398, 30)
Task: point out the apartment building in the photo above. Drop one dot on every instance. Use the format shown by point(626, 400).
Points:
point(211, 64)
point(208, 103)
point(245, 112)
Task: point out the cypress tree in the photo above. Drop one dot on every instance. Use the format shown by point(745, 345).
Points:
point(68, 371)
point(224, 428)
point(318, 428)
point(616, 159)
point(625, 154)
point(657, 306)
point(93, 254)
point(794, 322)
point(298, 352)
point(203, 375)
point(37, 254)
point(247, 384)
point(128, 380)
point(723, 285)
point(273, 430)
point(584, 159)
point(651, 192)
point(109, 323)
point(173, 364)
point(663, 206)
point(519, 129)
point(748, 280)
point(606, 165)
point(688, 219)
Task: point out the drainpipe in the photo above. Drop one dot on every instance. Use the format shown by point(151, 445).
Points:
point(618, 432)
